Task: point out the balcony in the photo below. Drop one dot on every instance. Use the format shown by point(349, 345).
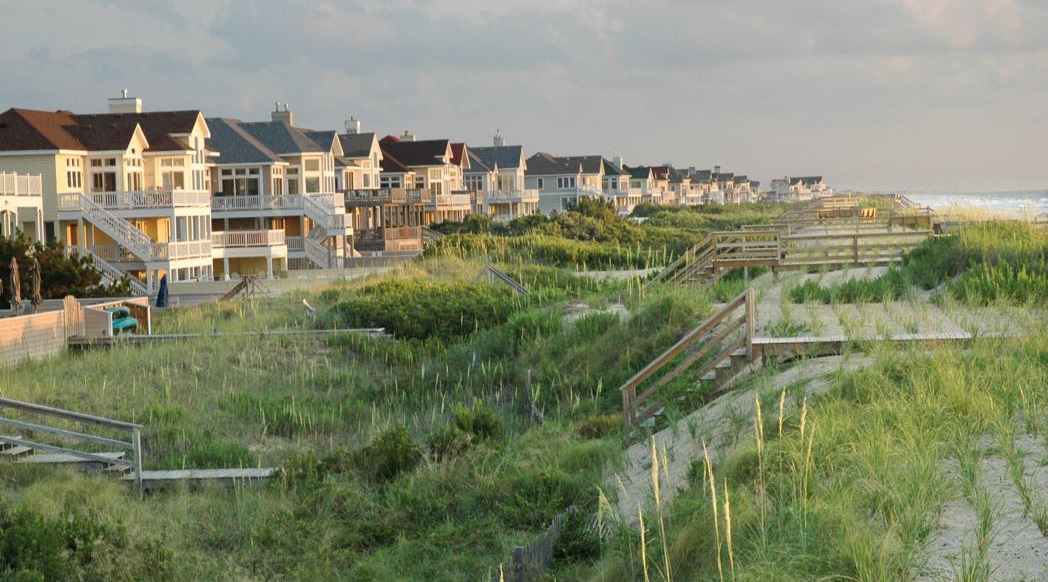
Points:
point(221, 204)
point(137, 200)
point(400, 238)
point(249, 243)
point(455, 201)
point(511, 196)
point(376, 197)
point(160, 252)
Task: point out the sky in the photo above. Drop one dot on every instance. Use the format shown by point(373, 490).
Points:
point(944, 95)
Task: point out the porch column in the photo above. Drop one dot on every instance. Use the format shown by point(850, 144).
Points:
point(269, 267)
point(225, 269)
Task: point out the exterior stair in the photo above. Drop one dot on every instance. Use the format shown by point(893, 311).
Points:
point(122, 231)
point(112, 274)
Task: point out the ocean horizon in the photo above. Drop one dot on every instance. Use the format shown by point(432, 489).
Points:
point(1009, 201)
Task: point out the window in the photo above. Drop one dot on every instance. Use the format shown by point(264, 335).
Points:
point(292, 185)
point(312, 185)
point(474, 182)
point(278, 187)
point(506, 183)
point(541, 183)
point(566, 183)
point(436, 188)
point(367, 180)
point(420, 182)
point(436, 174)
point(173, 180)
point(312, 165)
point(103, 182)
point(74, 179)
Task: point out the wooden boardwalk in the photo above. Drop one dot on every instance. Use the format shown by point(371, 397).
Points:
point(83, 342)
point(227, 477)
point(817, 346)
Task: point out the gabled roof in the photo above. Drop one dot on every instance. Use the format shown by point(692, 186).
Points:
point(325, 138)
point(357, 145)
point(417, 153)
point(27, 129)
point(676, 176)
point(611, 169)
point(478, 165)
point(660, 172)
point(283, 138)
point(806, 180)
point(589, 164)
point(543, 164)
point(505, 157)
point(459, 154)
point(237, 146)
point(702, 176)
point(391, 165)
point(639, 172)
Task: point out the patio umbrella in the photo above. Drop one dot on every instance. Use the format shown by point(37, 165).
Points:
point(37, 299)
point(16, 290)
point(161, 294)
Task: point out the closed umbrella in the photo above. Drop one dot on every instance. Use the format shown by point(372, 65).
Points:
point(161, 295)
point(16, 287)
point(37, 299)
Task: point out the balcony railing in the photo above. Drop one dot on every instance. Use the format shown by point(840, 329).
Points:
point(136, 200)
point(393, 233)
point(239, 203)
point(20, 184)
point(247, 238)
point(512, 196)
point(157, 251)
point(448, 200)
point(296, 243)
point(382, 196)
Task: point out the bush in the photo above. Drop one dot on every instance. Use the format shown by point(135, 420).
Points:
point(389, 454)
point(422, 310)
point(449, 442)
point(595, 427)
point(479, 421)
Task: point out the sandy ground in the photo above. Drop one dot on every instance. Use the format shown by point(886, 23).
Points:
point(1017, 551)
point(721, 425)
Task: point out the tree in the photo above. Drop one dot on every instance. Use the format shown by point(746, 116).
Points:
point(61, 274)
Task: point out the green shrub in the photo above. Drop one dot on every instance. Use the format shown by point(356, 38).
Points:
point(599, 426)
point(479, 421)
point(448, 442)
point(423, 310)
point(389, 454)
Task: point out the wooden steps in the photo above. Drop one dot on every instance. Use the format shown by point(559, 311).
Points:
point(227, 477)
point(82, 464)
point(792, 347)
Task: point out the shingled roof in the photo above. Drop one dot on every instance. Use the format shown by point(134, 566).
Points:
point(283, 138)
point(237, 146)
point(505, 157)
point(29, 130)
point(356, 145)
point(417, 153)
point(543, 164)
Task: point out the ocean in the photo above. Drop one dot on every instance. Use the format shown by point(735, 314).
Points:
point(1024, 202)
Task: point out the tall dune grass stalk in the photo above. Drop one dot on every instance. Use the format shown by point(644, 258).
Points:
point(713, 502)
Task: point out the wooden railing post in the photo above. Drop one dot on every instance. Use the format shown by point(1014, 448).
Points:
point(516, 567)
point(136, 443)
point(751, 318)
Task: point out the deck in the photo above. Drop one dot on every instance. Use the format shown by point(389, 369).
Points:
point(225, 477)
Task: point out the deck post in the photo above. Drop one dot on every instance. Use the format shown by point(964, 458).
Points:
point(136, 443)
point(751, 317)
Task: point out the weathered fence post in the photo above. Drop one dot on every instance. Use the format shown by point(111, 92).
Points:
point(516, 567)
point(751, 319)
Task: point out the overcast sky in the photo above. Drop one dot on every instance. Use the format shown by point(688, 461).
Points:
point(945, 95)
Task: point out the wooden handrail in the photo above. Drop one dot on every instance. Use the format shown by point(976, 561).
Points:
point(631, 401)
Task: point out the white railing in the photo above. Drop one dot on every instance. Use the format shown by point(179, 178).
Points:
point(20, 184)
point(317, 253)
point(121, 230)
point(181, 250)
point(248, 238)
point(138, 200)
point(238, 203)
point(295, 243)
point(114, 273)
point(321, 209)
point(512, 196)
point(449, 200)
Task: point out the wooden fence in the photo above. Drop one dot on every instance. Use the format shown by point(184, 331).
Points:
point(531, 561)
point(41, 335)
point(715, 339)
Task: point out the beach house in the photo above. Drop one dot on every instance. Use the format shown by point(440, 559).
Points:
point(497, 173)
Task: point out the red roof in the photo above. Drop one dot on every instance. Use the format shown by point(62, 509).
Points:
point(457, 149)
point(27, 129)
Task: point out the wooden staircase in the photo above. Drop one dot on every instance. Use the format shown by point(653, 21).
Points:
point(721, 347)
point(125, 463)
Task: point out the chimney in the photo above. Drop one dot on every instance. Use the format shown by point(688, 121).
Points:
point(408, 136)
point(285, 115)
point(618, 161)
point(716, 169)
point(499, 140)
point(125, 104)
point(352, 126)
